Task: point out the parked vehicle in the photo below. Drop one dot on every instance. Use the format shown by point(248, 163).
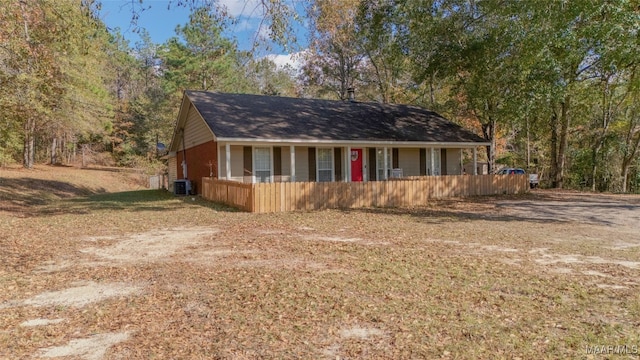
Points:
point(533, 178)
point(517, 171)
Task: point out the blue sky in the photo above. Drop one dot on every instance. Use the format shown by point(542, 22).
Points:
point(160, 18)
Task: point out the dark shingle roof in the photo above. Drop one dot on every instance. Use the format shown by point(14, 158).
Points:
point(271, 117)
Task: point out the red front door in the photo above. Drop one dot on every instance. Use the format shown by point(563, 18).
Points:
point(356, 164)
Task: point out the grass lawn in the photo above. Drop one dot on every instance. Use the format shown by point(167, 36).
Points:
point(94, 266)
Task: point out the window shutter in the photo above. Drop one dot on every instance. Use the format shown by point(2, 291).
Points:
point(337, 162)
point(443, 161)
point(277, 161)
point(423, 162)
point(248, 160)
point(396, 161)
point(372, 164)
point(312, 164)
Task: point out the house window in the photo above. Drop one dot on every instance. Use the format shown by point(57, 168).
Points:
point(436, 161)
point(380, 163)
point(262, 164)
point(325, 164)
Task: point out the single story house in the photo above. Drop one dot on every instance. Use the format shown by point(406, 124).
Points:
point(253, 138)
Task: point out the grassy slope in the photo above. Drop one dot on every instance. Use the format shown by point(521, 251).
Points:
point(444, 281)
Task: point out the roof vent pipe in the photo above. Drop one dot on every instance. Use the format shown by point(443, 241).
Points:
point(351, 94)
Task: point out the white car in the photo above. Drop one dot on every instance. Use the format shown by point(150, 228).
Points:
point(533, 178)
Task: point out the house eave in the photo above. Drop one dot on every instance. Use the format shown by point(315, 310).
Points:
point(363, 143)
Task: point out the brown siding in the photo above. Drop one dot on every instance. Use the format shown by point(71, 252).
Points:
point(454, 159)
point(302, 163)
point(409, 161)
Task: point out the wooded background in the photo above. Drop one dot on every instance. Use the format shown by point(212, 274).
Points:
point(553, 85)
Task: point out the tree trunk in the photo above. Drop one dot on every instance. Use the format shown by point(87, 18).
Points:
point(559, 142)
point(607, 116)
point(54, 150)
point(84, 161)
point(625, 177)
point(564, 140)
point(489, 132)
point(554, 147)
point(30, 123)
point(632, 147)
point(29, 143)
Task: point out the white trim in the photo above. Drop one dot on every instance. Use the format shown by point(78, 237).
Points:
point(437, 164)
point(292, 155)
point(333, 165)
point(227, 150)
point(386, 166)
point(475, 161)
point(253, 163)
point(354, 143)
point(433, 161)
point(349, 179)
point(365, 164)
point(219, 162)
point(426, 162)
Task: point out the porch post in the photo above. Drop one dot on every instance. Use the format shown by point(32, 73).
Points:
point(227, 153)
point(292, 151)
point(365, 164)
point(348, 163)
point(219, 162)
point(385, 167)
point(433, 162)
point(426, 162)
point(475, 161)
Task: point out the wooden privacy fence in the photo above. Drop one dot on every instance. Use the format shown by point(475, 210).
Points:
point(232, 193)
point(288, 196)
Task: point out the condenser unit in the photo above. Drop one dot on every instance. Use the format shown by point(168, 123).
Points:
point(182, 187)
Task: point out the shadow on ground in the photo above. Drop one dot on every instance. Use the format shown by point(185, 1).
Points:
point(21, 194)
point(139, 200)
point(539, 207)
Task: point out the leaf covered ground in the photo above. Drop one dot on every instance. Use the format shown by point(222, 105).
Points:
point(94, 267)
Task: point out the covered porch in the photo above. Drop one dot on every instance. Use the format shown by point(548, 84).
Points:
point(251, 162)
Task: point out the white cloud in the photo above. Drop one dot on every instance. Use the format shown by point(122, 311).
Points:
point(294, 60)
point(246, 8)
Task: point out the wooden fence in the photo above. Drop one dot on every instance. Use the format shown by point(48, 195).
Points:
point(232, 193)
point(288, 196)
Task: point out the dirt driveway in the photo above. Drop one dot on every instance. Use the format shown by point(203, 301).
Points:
point(596, 209)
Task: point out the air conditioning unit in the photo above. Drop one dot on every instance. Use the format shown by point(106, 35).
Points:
point(182, 187)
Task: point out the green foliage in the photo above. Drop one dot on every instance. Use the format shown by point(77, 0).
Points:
point(270, 79)
point(201, 58)
point(52, 73)
point(530, 74)
point(553, 86)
